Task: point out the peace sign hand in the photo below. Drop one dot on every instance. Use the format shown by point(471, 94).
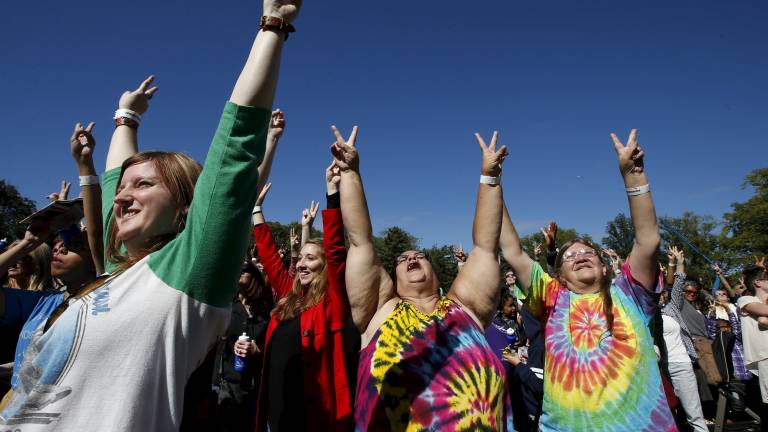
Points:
point(308, 215)
point(630, 156)
point(345, 152)
point(492, 158)
point(81, 144)
point(138, 100)
point(277, 124)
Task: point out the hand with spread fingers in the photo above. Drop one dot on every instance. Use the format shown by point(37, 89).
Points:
point(276, 125)
point(550, 235)
point(332, 178)
point(492, 158)
point(82, 144)
point(308, 214)
point(63, 192)
point(630, 155)
point(458, 252)
point(138, 100)
point(345, 151)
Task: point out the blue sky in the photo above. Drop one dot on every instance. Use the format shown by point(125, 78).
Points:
point(554, 77)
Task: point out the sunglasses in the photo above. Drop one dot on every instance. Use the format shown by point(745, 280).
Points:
point(690, 292)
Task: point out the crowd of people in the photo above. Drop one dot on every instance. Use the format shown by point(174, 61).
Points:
point(173, 306)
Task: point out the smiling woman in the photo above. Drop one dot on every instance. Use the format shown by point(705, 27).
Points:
point(175, 248)
point(600, 370)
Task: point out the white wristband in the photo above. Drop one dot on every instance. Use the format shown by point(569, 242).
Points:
point(123, 112)
point(256, 209)
point(89, 180)
point(639, 190)
point(484, 179)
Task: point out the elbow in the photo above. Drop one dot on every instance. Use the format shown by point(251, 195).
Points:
point(648, 242)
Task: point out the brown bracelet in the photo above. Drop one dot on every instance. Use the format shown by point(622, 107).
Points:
point(276, 24)
point(125, 121)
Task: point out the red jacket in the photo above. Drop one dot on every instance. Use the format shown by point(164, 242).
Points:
point(327, 399)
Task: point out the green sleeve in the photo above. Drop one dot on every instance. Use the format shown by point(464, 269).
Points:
point(542, 292)
point(108, 188)
point(204, 260)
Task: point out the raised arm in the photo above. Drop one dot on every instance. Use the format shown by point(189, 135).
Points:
point(33, 237)
point(513, 253)
point(477, 285)
point(642, 259)
point(368, 284)
point(274, 266)
point(307, 219)
point(723, 281)
point(82, 145)
point(276, 129)
point(131, 106)
point(258, 79)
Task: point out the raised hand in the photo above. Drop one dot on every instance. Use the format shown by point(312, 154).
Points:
point(308, 214)
point(678, 254)
point(536, 251)
point(138, 100)
point(82, 143)
point(63, 192)
point(717, 269)
point(759, 261)
point(294, 238)
point(492, 158)
point(458, 252)
point(332, 178)
point(550, 235)
point(630, 156)
point(276, 124)
point(345, 151)
point(288, 10)
point(263, 194)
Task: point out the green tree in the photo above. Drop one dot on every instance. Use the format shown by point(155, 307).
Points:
point(620, 235)
point(13, 208)
point(441, 258)
point(746, 227)
point(392, 242)
point(701, 232)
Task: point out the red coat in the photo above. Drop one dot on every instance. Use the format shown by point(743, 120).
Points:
point(327, 396)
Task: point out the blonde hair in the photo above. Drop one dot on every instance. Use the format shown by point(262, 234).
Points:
point(298, 299)
point(178, 173)
point(40, 279)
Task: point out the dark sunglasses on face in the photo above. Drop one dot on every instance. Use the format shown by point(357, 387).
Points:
point(690, 292)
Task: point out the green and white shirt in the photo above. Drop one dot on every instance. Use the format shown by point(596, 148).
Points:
point(119, 358)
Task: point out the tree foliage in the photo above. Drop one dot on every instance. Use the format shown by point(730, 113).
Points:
point(392, 242)
point(13, 208)
point(443, 263)
point(746, 227)
point(701, 232)
point(620, 235)
point(564, 235)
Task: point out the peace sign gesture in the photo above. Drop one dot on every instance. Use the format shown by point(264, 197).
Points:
point(138, 100)
point(492, 158)
point(277, 124)
point(345, 152)
point(308, 214)
point(81, 144)
point(631, 155)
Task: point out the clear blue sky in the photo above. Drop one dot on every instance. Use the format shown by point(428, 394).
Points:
point(555, 77)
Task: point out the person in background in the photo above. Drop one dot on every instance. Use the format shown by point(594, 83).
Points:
point(27, 263)
point(754, 326)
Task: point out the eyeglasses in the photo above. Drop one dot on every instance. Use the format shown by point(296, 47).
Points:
point(573, 255)
point(690, 292)
point(403, 258)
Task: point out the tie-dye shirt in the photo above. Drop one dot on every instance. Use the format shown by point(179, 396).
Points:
point(595, 380)
point(431, 372)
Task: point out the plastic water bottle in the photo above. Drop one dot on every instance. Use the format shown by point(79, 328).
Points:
point(241, 363)
point(511, 336)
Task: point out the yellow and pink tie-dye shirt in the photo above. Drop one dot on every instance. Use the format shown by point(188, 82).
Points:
point(596, 380)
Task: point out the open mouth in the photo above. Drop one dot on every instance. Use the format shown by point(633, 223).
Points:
point(582, 263)
point(413, 266)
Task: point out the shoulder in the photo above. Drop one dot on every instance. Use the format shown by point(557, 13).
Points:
point(745, 300)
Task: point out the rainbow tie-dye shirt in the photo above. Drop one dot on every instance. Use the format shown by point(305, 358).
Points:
point(431, 372)
point(595, 380)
